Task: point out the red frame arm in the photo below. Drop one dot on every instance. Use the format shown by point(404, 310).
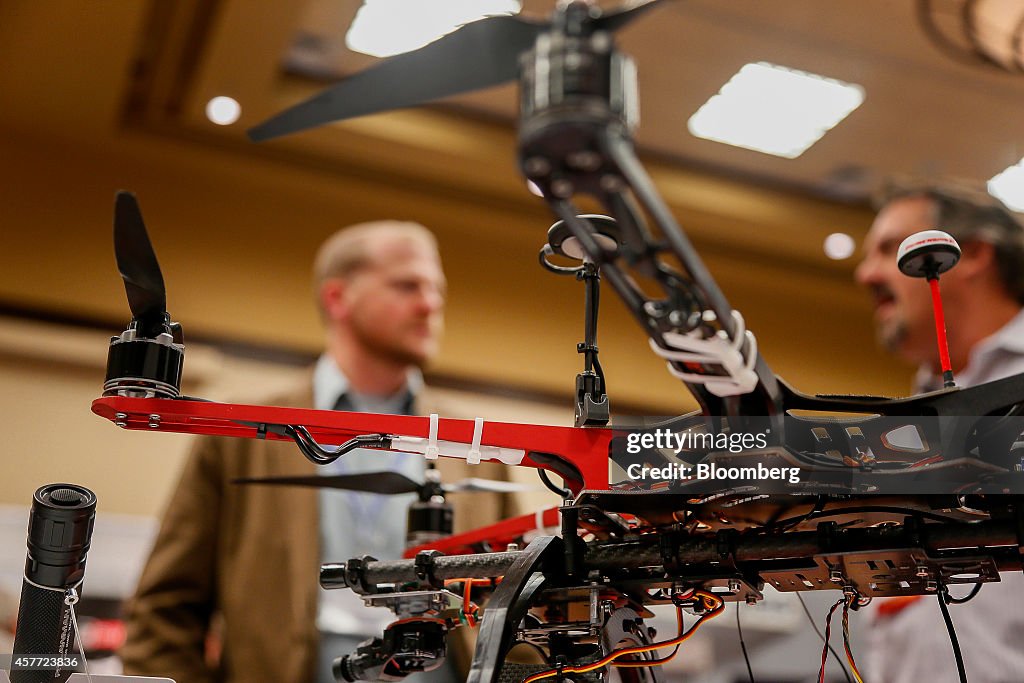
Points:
point(497, 535)
point(585, 448)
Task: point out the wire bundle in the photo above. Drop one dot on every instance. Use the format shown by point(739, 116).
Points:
point(713, 606)
point(469, 615)
point(845, 601)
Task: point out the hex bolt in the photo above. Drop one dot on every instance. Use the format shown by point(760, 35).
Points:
point(922, 571)
point(734, 586)
point(835, 576)
point(656, 309)
point(612, 183)
point(561, 188)
point(677, 319)
point(585, 160)
point(931, 586)
point(536, 166)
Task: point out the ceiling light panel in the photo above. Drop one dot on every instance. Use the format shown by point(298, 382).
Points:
point(383, 28)
point(775, 110)
point(1008, 186)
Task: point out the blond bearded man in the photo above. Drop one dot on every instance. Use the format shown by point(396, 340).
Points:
point(247, 558)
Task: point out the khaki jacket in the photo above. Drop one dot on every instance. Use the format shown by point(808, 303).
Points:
point(250, 555)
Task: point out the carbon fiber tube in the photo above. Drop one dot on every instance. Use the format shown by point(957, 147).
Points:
point(691, 550)
point(59, 534)
point(481, 566)
point(997, 537)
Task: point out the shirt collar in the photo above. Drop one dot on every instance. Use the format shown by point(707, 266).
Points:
point(1010, 337)
point(329, 382)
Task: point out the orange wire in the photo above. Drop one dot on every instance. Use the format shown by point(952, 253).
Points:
point(475, 582)
point(663, 660)
point(469, 608)
point(711, 601)
point(846, 642)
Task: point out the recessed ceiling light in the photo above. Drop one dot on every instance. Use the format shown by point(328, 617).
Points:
point(775, 110)
point(1008, 186)
point(223, 110)
point(839, 246)
point(383, 28)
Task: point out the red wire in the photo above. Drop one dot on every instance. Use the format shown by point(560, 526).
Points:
point(828, 633)
point(940, 325)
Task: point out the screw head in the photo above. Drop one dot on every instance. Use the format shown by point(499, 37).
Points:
point(561, 188)
point(585, 160)
point(612, 183)
point(537, 166)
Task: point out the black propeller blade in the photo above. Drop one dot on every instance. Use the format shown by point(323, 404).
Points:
point(139, 269)
point(386, 483)
point(486, 486)
point(478, 55)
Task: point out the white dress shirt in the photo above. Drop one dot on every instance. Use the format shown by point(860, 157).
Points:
point(913, 645)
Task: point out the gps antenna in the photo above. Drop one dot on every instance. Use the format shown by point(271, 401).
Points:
point(927, 254)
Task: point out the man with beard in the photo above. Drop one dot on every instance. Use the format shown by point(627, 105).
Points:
point(230, 592)
point(982, 297)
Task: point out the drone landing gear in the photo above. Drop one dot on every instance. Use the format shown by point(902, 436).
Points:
point(570, 634)
point(527, 577)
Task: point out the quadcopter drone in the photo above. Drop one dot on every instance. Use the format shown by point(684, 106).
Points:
point(865, 495)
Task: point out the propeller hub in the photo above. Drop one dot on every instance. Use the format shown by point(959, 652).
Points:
point(428, 521)
point(144, 368)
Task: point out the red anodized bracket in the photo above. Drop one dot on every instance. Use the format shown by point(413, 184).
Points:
point(497, 535)
point(583, 449)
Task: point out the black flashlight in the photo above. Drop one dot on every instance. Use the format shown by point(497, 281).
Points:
point(60, 529)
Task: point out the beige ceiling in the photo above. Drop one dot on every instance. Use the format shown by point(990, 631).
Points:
point(925, 114)
point(97, 96)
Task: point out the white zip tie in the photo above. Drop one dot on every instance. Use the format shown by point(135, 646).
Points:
point(719, 350)
point(473, 457)
point(432, 450)
point(431, 447)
